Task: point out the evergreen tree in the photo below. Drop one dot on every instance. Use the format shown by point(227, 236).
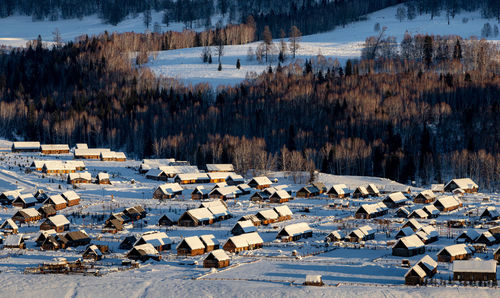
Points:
point(428, 49)
point(238, 64)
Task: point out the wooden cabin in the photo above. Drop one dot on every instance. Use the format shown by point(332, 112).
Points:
point(243, 242)
point(14, 241)
point(159, 240)
point(92, 253)
point(335, 236)
point(7, 197)
point(219, 168)
point(308, 191)
point(428, 265)
point(428, 234)
point(418, 213)
point(294, 232)
point(128, 242)
point(43, 235)
point(425, 197)
point(54, 149)
point(235, 179)
point(216, 259)
point(413, 224)
point(165, 221)
point(454, 252)
point(403, 212)
point(260, 196)
point(57, 201)
point(431, 210)
point(339, 191)
point(199, 193)
point(446, 204)
point(284, 213)
point(415, 276)
point(196, 217)
point(156, 174)
point(490, 213)
point(261, 182)
point(465, 184)
point(51, 242)
point(245, 189)
point(242, 227)
point(190, 246)
point(373, 190)
point(253, 218)
point(167, 191)
point(280, 197)
point(24, 201)
point(468, 236)
point(224, 193)
point(403, 232)
point(25, 147)
point(58, 223)
point(360, 192)
point(112, 226)
point(367, 211)
point(102, 178)
point(314, 280)
point(408, 246)
point(90, 153)
point(486, 238)
point(475, 270)
point(47, 210)
point(192, 178)
point(78, 178)
point(217, 177)
point(210, 242)
point(41, 196)
point(395, 200)
point(9, 227)
point(267, 216)
point(74, 239)
point(134, 213)
point(143, 253)
point(320, 186)
point(363, 233)
point(26, 215)
point(71, 197)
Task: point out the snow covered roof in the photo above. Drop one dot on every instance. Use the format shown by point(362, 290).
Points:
point(82, 146)
point(102, 176)
point(411, 242)
point(192, 176)
point(474, 266)
point(9, 223)
point(362, 190)
point(13, 240)
point(463, 183)
point(283, 210)
point(419, 271)
point(59, 220)
point(146, 249)
point(156, 238)
point(374, 208)
point(209, 239)
point(218, 175)
point(235, 177)
point(57, 199)
point(170, 188)
point(406, 231)
point(252, 238)
point(247, 226)
point(372, 188)
point(201, 213)
point(430, 231)
point(470, 233)
point(427, 262)
point(366, 230)
point(95, 249)
point(173, 170)
point(437, 187)
point(112, 154)
point(488, 236)
point(296, 229)
point(26, 145)
point(27, 198)
point(226, 190)
point(282, 194)
point(420, 213)
point(337, 234)
point(244, 187)
point(154, 173)
point(428, 194)
point(396, 198)
point(262, 180)
point(193, 242)
point(269, 214)
point(75, 163)
point(219, 255)
point(218, 211)
point(456, 249)
point(83, 176)
point(413, 223)
point(31, 212)
point(215, 203)
point(340, 189)
point(54, 147)
point(91, 151)
point(220, 167)
point(310, 278)
point(70, 195)
point(431, 209)
point(37, 164)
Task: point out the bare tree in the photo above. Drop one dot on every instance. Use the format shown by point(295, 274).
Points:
point(401, 13)
point(295, 36)
point(57, 37)
point(267, 42)
point(219, 40)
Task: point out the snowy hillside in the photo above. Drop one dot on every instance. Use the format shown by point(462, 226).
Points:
point(341, 44)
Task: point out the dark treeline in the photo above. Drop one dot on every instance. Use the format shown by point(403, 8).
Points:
point(403, 119)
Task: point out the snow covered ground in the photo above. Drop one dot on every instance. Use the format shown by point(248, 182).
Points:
point(341, 43)
point(347, 269)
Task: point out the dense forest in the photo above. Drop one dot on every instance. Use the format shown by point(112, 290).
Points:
point(310, 16)
point(426, 117)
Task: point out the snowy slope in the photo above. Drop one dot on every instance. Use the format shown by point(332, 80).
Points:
point(341, 44)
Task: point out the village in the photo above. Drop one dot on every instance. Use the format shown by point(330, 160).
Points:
point(92, 211)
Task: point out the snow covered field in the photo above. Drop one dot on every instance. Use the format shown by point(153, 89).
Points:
point(341, 43)
point(347, 269)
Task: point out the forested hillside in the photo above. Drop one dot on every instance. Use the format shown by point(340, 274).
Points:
point(425, 117)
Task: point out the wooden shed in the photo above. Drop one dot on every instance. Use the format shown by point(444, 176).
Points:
point(9, 227)
point(339, 191)
point(196, 217)
point(165, 221)
point(367, 211)
point(267, 216)
point(360, 192)
point(14, 241)
point(167, 191)
point(57, 201)
point(25, 201)
point(475, 270)
point(199, 193)
point(294, 232)
point(261, 182)
point(159, 240)
point(190, 246)
point(58, 223)
point(78, 178)
point(143, 253)
point(415, 276)
point(454, 252)
point(408, 246)
point(425, 197)
point(102, 178)
point(92, 253)
point(47, 210)
point(216, 259)
point(280, 196)
point(465, 184)
point(210, 242)
point(54, 149)
point(26, 215)
point(25, 147)
point(308, 191)
point(71, 197)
